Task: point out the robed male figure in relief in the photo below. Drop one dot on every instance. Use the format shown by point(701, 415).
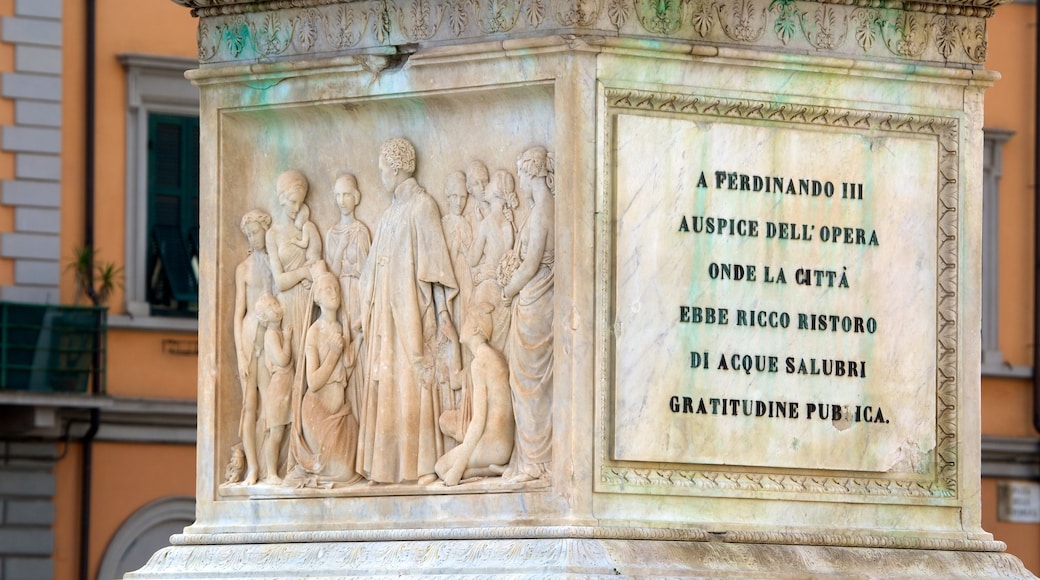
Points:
point(408, 285)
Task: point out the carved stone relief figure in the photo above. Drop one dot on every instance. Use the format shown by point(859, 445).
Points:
point(293, 246)
point(458, 233)
point(324, 441)
point(252, 279)
point(477, 178)
point(494, 238)
point(529, 347)
point(409, 286)
point(275, 395)
point(346, 248)
point(363, 369)
point(488, 440)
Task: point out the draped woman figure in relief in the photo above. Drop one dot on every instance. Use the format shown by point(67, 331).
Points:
point(325, 440)
point(346, 247)
point(293, 246)
point(529, 346)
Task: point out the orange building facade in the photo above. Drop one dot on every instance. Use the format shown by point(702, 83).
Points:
point(126, 453)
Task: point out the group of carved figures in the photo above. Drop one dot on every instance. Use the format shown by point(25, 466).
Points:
point(422, 353)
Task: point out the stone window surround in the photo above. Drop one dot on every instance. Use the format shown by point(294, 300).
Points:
point(154, 84)
point(993, 362)
point(163, 512)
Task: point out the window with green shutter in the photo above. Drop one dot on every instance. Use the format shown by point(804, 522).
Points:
point(173, 215)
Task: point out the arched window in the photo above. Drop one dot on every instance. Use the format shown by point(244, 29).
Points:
point(144, 533)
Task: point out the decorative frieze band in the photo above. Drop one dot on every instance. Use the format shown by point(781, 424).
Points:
point(934, 33)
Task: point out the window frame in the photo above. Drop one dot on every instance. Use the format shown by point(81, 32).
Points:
point(154, 85)
point(993, 362)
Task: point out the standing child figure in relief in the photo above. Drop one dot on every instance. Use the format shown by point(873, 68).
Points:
point(275, 398)
point(252, 280)
point(488, 440)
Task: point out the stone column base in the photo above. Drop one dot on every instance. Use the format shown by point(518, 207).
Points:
point(721, 555)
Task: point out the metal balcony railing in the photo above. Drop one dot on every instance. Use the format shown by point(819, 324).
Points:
point(52, 348)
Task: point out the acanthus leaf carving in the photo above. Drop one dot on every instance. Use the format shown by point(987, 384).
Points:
point(381, 22)
point(828, 29)
point(273, 36)
point(207, 45)
point(617, 12)
point(786, 19)
point(577, 12)
point(703, 17)
point(339, 32)
point(660, 16)
point(424, 25)
point(325, 26)
point(906, 37)
point(235, 35)
point(868, 23)
point(534, 10)
point(973, 39)
point(458, 16)
point(743, 21)
point(498, 16)
point(306, 28)
point(947, 31)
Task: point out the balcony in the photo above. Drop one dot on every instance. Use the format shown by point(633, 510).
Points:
point(47, 348)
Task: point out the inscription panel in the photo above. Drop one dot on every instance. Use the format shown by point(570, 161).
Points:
point(775, 294)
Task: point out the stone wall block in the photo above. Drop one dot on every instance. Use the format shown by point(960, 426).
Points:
point(30, 193)
point(28, 568)
point(29, 512)
point(16, 245)
point(34, 166)
point(31, 86)
point(31, 139)
point(26, 541)
point(38, 272)
point(38, 8)
point(37, 59)
point(28, 219)
point(31, 31)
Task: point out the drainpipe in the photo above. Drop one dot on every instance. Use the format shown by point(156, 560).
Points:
point(87, 465)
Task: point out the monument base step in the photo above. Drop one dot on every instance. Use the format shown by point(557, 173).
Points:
point(566, 558)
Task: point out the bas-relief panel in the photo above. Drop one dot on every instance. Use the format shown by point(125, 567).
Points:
point(388, 274)
point(799, 306)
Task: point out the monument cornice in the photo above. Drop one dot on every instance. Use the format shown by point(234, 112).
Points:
point(205, 8)
point(946, 34)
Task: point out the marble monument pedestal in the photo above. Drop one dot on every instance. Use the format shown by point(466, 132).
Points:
point(581, 288)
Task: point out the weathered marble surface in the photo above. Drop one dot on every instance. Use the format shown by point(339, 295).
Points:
point(767, 239)
point(945, 33)
point(574, 557)
point(554, 152)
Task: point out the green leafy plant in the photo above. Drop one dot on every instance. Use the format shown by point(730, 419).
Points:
point(95, 280)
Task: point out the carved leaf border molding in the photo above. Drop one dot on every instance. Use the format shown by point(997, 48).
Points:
point(954, 36)
point(946, 130)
